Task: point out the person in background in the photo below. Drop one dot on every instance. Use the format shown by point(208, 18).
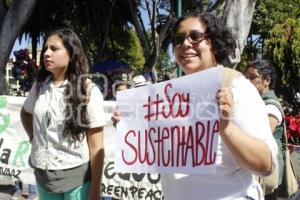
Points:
point(263, 76)
point(63, 117)
point(246, 145)
point(118, 85)
point(139, 81)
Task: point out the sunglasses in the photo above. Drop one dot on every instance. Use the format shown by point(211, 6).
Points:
point(194, 37)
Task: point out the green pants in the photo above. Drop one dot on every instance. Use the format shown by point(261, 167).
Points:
point(78, 193)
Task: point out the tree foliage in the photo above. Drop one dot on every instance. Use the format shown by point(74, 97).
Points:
point(271, 12)
point(95, 22)
point(274, 35)
point(126, 46)
point(283, 48)
point(267, 14)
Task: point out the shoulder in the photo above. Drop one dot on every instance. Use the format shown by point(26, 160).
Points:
point(274, 111)
point(93, 91)
point(245, 93)
point(228, 75)
point(240, 83)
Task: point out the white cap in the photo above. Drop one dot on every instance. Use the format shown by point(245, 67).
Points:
point(140, 81)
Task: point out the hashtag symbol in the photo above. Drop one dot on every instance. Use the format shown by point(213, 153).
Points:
point(153, 105)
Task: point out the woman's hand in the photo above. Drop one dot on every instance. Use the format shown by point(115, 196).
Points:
point(225, 102)
point(116, 118)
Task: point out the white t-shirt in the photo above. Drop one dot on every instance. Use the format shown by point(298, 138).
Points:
point(50, 149)
point(273, 110)
point(230, 182)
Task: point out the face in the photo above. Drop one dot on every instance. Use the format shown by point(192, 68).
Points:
point(195, 53)
point(121, 87)
point(256, 79)
point(56, 57)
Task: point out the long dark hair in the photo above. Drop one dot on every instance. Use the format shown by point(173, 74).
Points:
point(78, 65)
point(222, 40)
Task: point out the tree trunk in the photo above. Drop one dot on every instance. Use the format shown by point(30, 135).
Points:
point(151, 48)
point(13, 22)
point(2, 11)
point(237, 16)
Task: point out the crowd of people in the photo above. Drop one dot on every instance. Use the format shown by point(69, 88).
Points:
point(64, 120)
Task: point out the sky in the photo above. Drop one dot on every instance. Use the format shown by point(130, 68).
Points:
point(25, 43)
point(18, 46)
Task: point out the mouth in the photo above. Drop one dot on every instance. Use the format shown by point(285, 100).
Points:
point(188, 55)
point(47, 62)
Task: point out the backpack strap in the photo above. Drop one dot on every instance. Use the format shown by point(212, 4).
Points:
point(228, 75)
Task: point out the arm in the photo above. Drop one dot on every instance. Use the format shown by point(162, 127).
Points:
point(95, 142)
point(26, 119)
point(273, 122)
point(249, 152)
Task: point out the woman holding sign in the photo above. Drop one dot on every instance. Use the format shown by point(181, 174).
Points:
point(64, 127)
point(246, 145)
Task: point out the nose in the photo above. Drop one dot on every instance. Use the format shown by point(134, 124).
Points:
point(186, 42)
point(47, 52)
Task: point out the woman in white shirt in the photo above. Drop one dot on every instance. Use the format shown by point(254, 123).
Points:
point(246, 145)
point(63, 116)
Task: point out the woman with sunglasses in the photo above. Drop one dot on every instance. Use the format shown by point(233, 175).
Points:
point(63, 116)
point(246, 145)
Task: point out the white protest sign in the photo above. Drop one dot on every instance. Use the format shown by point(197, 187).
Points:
point(170, 127)
point(129, 186)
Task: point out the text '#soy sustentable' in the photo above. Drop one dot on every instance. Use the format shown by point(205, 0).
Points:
point(171, 145)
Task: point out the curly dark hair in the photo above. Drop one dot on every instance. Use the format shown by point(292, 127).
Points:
point(78, 65)
point(221, 38)
point(266, 70)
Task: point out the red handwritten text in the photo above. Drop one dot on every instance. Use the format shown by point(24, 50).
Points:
point(177, 105)
point(172, 146)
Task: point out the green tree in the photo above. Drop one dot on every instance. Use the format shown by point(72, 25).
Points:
point(267, 14)
point(271, 12)
point(283, 48)
point(95, 22)
point(126, 46)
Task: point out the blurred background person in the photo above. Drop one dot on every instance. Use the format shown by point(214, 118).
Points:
point(263, 76)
